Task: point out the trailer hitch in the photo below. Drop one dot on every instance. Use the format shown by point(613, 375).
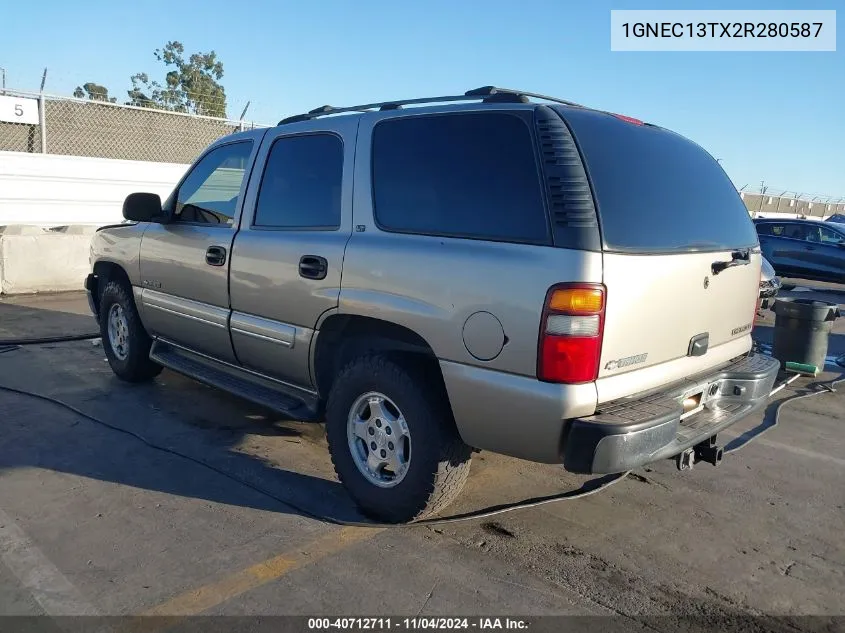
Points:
point(707, 451)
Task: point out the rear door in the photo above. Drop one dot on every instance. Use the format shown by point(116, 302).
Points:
point(797, 249)
point(288, 255)
point(670, 220)
point(782, 243)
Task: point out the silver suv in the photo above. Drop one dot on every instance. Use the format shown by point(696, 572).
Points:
point(496, 270)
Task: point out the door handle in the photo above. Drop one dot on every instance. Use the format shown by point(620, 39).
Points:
point(313, 267)
point(215, 256)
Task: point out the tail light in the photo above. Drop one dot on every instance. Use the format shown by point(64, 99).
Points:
point(629, 119)
point(571, 333)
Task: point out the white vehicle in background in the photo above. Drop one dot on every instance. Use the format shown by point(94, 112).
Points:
point(770, 284)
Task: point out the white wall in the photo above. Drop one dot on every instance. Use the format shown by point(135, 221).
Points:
point(50, 190)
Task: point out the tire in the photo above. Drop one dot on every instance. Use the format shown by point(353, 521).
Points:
point(130, 360)
point(439, 461)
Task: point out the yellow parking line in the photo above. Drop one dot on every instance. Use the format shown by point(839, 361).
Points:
point(198, 600)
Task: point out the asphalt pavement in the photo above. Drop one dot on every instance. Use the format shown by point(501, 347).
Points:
point(93, 520)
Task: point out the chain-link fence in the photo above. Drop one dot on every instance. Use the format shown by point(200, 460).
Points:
point(84, 127)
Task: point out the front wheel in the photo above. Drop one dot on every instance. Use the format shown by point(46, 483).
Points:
point(393, 441)
point(125, 341)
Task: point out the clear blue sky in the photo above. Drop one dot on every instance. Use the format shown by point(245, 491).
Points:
point(778, 117)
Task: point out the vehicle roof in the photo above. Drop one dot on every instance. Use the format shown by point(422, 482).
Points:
point(779, 220)
point(257, 133)
point(479, 98)
point(837, 227)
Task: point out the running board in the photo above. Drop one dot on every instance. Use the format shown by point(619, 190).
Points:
point(267, 392)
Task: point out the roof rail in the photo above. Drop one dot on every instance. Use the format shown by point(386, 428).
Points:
point(487, 94)
point(493, 91)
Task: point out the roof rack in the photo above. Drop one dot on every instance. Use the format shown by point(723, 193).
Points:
point(487, 94)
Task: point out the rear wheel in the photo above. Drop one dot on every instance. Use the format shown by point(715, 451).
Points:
point(393, 441)
point(125, 341)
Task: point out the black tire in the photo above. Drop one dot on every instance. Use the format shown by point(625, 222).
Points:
point(440, 461)
point(136, 366)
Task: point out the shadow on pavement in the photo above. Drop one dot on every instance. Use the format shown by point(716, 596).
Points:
point(172, 412)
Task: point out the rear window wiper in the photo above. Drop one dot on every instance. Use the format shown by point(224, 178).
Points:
point(738, 258)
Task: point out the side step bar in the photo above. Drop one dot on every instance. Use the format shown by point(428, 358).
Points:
point(285, 399)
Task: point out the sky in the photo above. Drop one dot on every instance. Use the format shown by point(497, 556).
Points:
point(769, 116)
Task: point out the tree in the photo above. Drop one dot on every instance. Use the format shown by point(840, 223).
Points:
point(193, 84)
point(93, 91)
point(140, 87)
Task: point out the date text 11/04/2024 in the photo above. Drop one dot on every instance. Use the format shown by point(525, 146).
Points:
point(415, 623)
point(722, 29)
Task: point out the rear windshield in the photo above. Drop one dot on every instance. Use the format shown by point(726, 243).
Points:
point(657, 191)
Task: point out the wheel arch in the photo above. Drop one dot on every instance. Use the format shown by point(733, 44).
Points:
point(104, 272)
point(343, 337)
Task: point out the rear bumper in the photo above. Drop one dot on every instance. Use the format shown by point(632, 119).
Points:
point(632, 432)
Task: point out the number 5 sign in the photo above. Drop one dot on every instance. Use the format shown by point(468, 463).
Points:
point(19, 110)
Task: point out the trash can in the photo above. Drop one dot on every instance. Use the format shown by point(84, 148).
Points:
point(802, 328)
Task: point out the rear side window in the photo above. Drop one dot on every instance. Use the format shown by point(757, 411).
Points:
point(657, 191)
point(793, 231)
point(301, 184)
point(770, 228)
point(468, 175)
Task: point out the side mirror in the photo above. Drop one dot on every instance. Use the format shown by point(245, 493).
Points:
point(143, 207)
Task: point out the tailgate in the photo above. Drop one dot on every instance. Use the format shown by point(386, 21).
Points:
point(657, 305)
point(667, 213)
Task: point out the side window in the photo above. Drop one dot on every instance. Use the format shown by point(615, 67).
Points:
point(209, 194)
point(776, 229)
point(470, 175)
point(828, 236)
point(301, 184)
point(795, 231)
point(763, 229)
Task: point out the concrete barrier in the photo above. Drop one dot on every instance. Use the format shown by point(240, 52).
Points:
point(73, 195)
point(33, 259)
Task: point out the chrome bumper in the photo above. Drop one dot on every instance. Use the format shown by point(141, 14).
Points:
point(632, 432)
